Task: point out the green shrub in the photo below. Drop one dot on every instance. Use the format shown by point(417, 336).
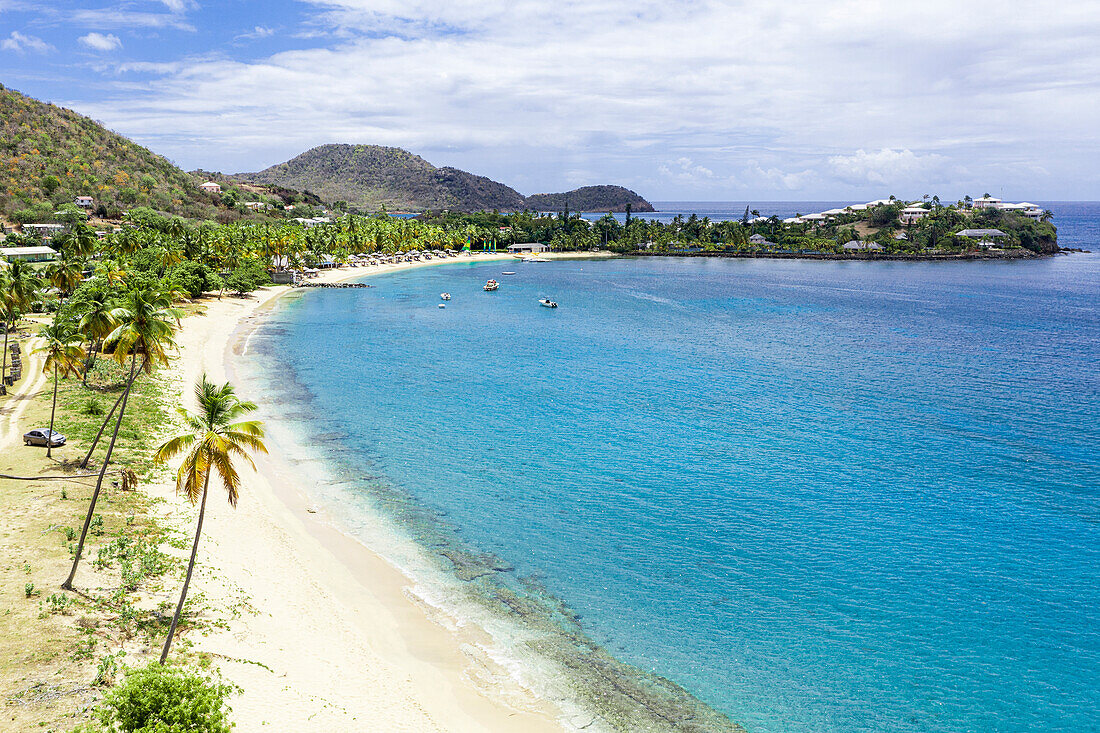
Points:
point(193, 277)
point(159, 699)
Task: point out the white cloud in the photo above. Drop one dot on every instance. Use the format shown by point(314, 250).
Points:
point(684, 169)
point(20, 43)
point(889, 167)
point(100, 42)
point(770, 96)
point(179, 6)
point(258, 32)
point(108, 18)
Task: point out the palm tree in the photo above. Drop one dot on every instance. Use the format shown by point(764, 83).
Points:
point(64, 355)
point(146, 325)
point(65, 274)
point(215, 437)
point(96, 324)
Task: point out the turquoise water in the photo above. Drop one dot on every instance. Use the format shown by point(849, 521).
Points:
point(822, 496)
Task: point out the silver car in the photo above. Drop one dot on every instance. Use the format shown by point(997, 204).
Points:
point(43, 437)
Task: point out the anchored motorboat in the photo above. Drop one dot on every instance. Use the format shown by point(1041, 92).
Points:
point(445, 296)
point(490, 285)
point(546, 302)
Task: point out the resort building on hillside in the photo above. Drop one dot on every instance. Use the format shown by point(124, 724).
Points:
point(310, 223)
point(46, 231)
point(987, 202)
point(211, 187)
point(84, 202)
point(911, 214)
point(28, 254)
point(528, 247)
point(256, 205)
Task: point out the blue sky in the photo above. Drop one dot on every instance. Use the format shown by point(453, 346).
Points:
point(706, 100)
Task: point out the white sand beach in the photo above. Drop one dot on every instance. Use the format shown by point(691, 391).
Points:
point(329, 637)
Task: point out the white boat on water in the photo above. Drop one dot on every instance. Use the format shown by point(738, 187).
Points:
point(445, 296)
point(533, 258)
point(490, 285)
point(507, 273)
point(547, 303)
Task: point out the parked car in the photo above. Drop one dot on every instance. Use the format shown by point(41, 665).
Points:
point(39, 437)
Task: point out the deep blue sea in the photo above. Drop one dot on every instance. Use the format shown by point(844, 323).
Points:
point(821, 496)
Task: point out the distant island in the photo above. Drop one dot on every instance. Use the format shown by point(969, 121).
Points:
point(372, 177)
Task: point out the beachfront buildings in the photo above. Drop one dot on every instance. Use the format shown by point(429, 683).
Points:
point(211, 187)
point(528, 247)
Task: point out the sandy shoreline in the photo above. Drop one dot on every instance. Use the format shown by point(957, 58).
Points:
point(329, 636)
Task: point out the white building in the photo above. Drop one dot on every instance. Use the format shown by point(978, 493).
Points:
point(857, 246)
point(28, 254)
point(84, 202)
point(911, 214)
point(528, 247)
point(987, 202)
point(211, 187)
point(46, 231)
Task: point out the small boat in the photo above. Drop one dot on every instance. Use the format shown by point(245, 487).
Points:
point(442, 306)
point(445, 296)
point(507, 273)
point(547, 303)
point(490, 285)
point(534, 258)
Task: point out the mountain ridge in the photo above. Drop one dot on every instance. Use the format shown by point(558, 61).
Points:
point(374, 176)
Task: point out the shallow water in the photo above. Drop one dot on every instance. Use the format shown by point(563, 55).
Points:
point(819, 495)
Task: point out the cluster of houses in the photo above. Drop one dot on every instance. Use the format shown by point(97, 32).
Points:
point(914, 212)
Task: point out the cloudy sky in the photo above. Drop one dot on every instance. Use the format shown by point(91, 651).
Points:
point(758, 100)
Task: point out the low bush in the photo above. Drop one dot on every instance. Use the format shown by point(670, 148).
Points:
point(163, 699)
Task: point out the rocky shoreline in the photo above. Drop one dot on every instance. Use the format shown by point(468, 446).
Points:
point(863, 256)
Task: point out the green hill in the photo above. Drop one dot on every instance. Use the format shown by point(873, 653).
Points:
point(51, 155)
point(371, 176)
point(590, 198)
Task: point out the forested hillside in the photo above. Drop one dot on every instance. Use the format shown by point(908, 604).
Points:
point(589, 198)
point(371, 177)
point(51, 154)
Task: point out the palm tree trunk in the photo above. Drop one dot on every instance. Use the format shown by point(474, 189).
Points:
point(4, 370)
point(190, 569)
point(106, 422)
point(53, 411)
point(90, 361)
point(68, 584)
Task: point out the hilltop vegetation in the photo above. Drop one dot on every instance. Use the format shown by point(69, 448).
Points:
point(371, 177)
point(590, 198)
point(51, 155)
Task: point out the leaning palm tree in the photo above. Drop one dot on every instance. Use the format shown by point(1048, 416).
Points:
point(64, 355)
point(215, 436)
point(146, 326)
